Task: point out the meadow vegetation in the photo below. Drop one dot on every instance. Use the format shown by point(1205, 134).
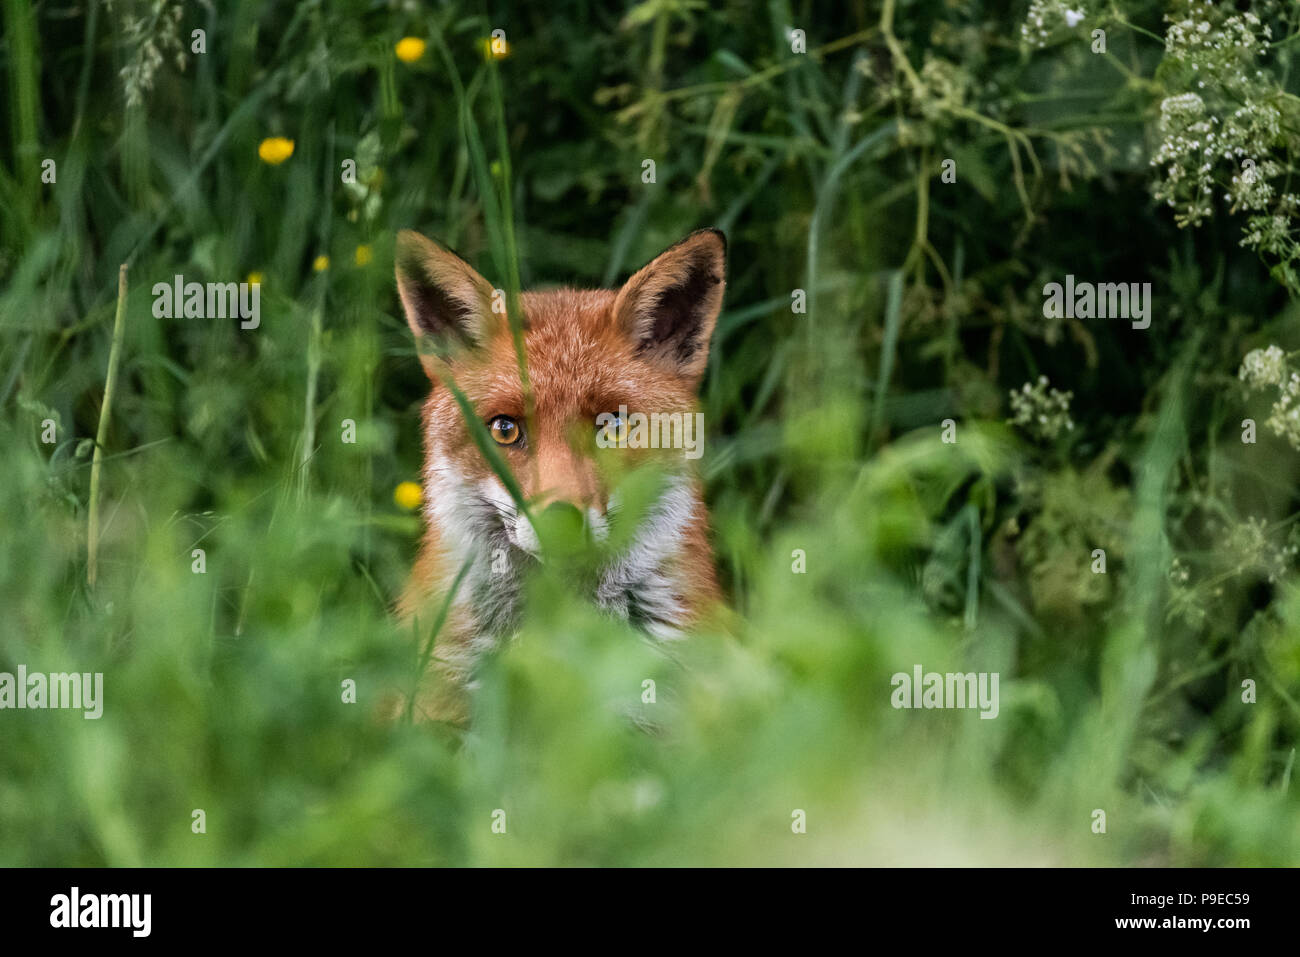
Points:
point(919, 170)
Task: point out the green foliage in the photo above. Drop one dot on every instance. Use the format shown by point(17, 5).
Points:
point(1120, 691)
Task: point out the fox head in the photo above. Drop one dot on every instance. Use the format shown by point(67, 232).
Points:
point(588, 355)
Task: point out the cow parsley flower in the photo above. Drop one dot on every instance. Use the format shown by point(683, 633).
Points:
point(1224, 131)
point(1269, 368)
point(1046, 19)
point(1263, 367)
point(1042, 412)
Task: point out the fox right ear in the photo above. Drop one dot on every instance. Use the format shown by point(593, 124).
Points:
point(669, 307)
point(448, 305)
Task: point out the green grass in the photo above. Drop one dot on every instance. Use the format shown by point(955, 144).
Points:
point(1120, 692)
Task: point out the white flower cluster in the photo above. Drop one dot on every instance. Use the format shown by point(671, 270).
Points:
point(1272, 233)
point(1040, 411)
point(1200, 43)
point(1047, 18)
point(1268, 368)
point(1187, 140)
point(1263, 367)
point(1250, 548)
point(1284, 417)
point(1251, 189)
point(1228, 115)
point(1193, 140)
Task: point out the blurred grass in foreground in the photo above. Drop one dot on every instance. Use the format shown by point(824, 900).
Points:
point(224, 689)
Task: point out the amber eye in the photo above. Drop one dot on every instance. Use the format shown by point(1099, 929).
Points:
point(505, 430)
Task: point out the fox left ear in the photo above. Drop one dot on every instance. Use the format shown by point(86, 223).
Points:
point(447, 303)
point(669, 307)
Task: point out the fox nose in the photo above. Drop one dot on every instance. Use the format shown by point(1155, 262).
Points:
point(574, 497)
point(561, 527)
point(563, 513)
point(564, 478)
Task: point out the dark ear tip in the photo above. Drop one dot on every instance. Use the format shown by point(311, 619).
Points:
point(414, 239)
point(714, 231)
point(414, 247)
point(413, 250)
point(408, 249)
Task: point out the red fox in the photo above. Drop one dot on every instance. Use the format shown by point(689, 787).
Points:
point(590, 355)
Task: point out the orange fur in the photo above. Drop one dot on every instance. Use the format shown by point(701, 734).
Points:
point(643, 346)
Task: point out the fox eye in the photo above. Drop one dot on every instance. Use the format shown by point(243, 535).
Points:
point(504, 430)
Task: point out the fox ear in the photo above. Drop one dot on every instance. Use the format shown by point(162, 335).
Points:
point(669, 307)
point(448, 305)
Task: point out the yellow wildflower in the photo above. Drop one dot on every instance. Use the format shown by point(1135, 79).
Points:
point(409, 49)
point(275, 150)
point(408, 495)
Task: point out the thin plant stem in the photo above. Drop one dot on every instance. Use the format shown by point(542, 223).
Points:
point(101, 434)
